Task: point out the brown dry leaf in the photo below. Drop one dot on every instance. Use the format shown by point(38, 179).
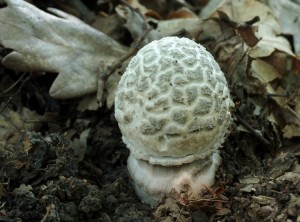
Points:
point(266, 73)
point(271, 57)
point(153, 14)
point(296, 65)
point(292, 119)
point(137, 26)
point(182, 13)
point(268, 26)
point(292, 128)
point(144, 10)
point(245, 29)
point(268, 44)
point(279, 60)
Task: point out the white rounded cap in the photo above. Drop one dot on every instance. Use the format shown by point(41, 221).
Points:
point(172, 103)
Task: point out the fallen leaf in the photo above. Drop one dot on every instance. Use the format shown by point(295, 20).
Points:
point(250, 180)
point(268, 28)
point(182, 13)
point(296, 65)
point(291, 130)
point(66, 45)
point(136, 25)
point(287, 12)
point(264, 71)
point(245, 29)
point(88, 102)
point(12, 123)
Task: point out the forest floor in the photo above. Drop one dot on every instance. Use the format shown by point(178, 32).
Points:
point(61, 164)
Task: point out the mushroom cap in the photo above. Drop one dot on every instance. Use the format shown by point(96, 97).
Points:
point(173, 103)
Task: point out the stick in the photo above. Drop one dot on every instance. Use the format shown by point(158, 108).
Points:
point(250, 128)
point(110, 69)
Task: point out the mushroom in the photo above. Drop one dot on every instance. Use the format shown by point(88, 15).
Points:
point(173, 109)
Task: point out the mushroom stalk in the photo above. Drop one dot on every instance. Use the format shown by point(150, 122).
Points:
point(190, 179)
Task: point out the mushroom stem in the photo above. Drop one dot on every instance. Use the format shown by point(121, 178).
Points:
point(152, 182)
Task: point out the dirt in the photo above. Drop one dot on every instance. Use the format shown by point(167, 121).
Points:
point(47, 176)
point(67, 165)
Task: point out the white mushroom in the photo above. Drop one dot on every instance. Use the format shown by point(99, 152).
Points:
point(172, 106)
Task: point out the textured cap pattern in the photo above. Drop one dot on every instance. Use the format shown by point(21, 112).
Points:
point(172, 103)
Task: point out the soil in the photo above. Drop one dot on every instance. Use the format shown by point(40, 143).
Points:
point(50, 176)
point(71, 166)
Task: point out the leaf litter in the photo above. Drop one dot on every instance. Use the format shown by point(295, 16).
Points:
point(61, 154)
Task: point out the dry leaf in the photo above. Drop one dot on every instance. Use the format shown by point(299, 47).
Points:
point(13, 122)
point(287, 11)
point(191, 26)
point(137, 5)
point(268, 27)
point(136, 25)
point(88, 102)
point(182, 13)
point(296, 65)
point(264, 71)
point(245, 29)
point(80, 144)
point(291, 130)
point(43, 42)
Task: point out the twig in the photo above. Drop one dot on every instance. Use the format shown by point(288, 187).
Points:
point(13, 85)
point(250, 128)
point(136, 10)
point(6, 104)
point(208, 200)
point(10, 88)
point(279, 95)
point(110, 69)
point(103, 76)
